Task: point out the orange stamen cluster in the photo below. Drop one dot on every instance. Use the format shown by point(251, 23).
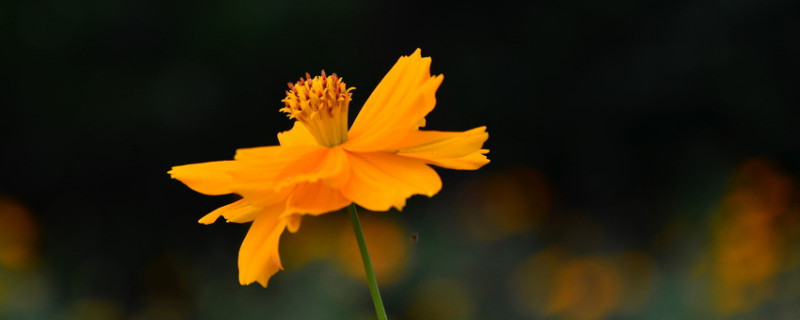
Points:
point(321, 104)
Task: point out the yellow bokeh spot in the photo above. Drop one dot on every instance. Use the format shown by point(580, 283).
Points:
point(330, 237)
point(531, 281)
point(18, 235)
point(554, 283)
point(313, 241)
point(387, 242)
point(505, 203)
point(585, 288)
point(748, 248)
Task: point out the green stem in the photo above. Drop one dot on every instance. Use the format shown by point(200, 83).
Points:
point(362, 246)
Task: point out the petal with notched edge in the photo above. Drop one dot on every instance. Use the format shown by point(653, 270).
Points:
point(397, 106)
point(381, 180)
point(258, 255)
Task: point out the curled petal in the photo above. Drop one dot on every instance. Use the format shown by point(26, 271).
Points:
point(258, 255)
point(239, 211)
point(381, 180)
point(211, 178)
point(398, 105)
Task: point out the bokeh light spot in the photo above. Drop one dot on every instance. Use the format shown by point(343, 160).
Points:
point(18, 235)
point(556, 283)
point(509, 202)
point(387, 242)
point(748, 246)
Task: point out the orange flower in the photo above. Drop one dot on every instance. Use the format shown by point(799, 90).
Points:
point(320, 166)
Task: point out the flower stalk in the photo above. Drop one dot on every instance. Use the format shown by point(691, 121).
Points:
point(362, 247)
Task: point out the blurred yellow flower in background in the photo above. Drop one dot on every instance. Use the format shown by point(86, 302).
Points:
point(389, 243)
point(749, 247)
point(504, 203)
point(330, 238)
point(320, 166)
point(556, 283)
point(18, 236)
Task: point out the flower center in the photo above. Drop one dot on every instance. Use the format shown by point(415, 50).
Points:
point(320, 103)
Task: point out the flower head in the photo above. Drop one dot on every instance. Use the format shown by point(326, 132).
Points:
point(320, 166)
point(320, 104)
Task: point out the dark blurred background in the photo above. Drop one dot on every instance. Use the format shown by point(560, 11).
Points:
point(645, 159)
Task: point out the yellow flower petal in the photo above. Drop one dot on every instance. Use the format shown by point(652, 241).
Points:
point(263, 166)
point(381, 180)
point(329, 165)
point(471, 161)
point(261, 195)
point(454, 150)
point(315, 198)
point(445, 144)
point(293, 222)
point(276, 156)
point(298, 135)
point(238, 211)
point(258, 255)
point(338, 164)
point(211, 178)
point(397, 106)
point(255, 176)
